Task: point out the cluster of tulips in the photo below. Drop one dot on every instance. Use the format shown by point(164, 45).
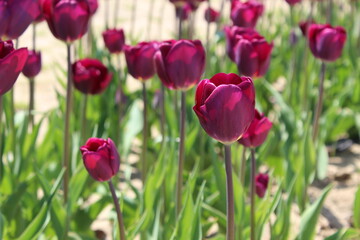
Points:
point(224, 104)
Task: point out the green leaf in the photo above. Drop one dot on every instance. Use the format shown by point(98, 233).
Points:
point(77, 183)
point(357, 209)
point(2, 225)
point(322, 162)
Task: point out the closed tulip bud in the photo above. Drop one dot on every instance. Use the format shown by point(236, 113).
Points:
point(101, 158)
point(67, 20)
point(114, 40)
point(140, 60)
point(246, 14)
point(257, 132)
point(252, 54)
point(33, 64)
point(16, 16)
point(11, 64)
point(292, 2)
point(225, 106)
point(211, 15)
point(326, 42)
point(180, 64)
point(231, 34)
point(90, 76)
point(183, 11)
point(261, 184)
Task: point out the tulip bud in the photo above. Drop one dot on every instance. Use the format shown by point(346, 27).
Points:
point(211, 15)
point(225, 106)
point(67, 20)
point(261, 184)
point(33, 64)
point(114, 40)
point(180, 64)
point(231, 34)
point(101, 158)
point(257, 132)
point(140, 60)
point(90, 76)
point(11, 64)
point(183, 12)
point(326, 42)
point(292, 2)
point(246, 14)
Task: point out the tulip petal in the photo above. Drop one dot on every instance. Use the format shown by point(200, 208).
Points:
point(246, 58)
point(114, 157)
point(97, 166)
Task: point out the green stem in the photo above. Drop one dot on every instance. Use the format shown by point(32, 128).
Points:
point(83, 118)
point(230, 210)
point(31, 101)
point(243, 166)
point(1, 138)
point(118, 211)
point(145, 134)
point(107, 14)
point(162, 118)
point(319, 103)
point(120, 91)
point(252, 195)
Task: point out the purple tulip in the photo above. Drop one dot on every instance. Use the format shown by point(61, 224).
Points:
point(16, 16)
point(183, 11)
point(140, 60)
point(231, 34)
point(67, 20)
point(90, 76)
point(180, 64)
point(292, 2)
point(101, 158)
point(257, 132)
point(246, 14)
point(326, 42)
point(33, 64)
point(304, 26)
point(261, 184)
point(114, 40)
point(225, 106)
point(11, 64)
point(93, 4)
point(211, 15)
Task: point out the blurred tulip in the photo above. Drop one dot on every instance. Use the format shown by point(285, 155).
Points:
point(33, 64)
point(211, 15)
point(231, 34)
point(90, 76)
point(225, 106)
point(180, 64)
point(246, 14)
point(326, 42)
point(67, 20)
point(304, 26)
point(11, 64)
point(261, 184)
point(183, 12)
point(93, 4)
point(292, 2)
point(252, 54)
point(140, 60)
point(293, 38)
point(114, 40)
point(257, 132)
point(101, 158)
point(16, 16)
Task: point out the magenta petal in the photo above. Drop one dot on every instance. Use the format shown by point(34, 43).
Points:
point(246, 58)
point(114, 157)
point(97, 166)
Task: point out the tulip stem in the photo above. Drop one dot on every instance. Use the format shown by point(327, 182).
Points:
point(243, 166)
point(145, 134)
point(180, 23)
point(230, 210)
point(162, 119)
point(83, 118)
point(1, 137)
point(66, 157)
point(107, 14)
point(118, 211)
point(31, 101)
point(319, 103)
point(181, 154)
point(252, 195)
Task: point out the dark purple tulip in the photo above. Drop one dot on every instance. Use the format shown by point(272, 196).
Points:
point(257, 132)
point(101, 158)
point(33, 64)
point(183, 12)
point(246, 14)
point(261, 184)
point(252, 54)
point(90, 76)
point(16, 16)
point(140, 60)
point(67, 20)
point(114, 40)
point(11, 64)
point(292, 2)
point(326, 42)
point(211, 15)
point(231, 34)
point(304, 26)
point(180, 64)
point(225, 106)
point(93, 4)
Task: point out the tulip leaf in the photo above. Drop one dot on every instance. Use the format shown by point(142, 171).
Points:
point(77, 183)
point(2, 225)
point(357, 209)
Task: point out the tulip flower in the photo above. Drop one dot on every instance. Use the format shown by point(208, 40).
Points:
point(231, 34)
point(114, 40)
point(93, 4)
point(211, 15)
point(140, 60)
point(90, 76)
point(246, 14)
point(292, 2)
point(326, 42)
point(304, 26)
point(180, 64)
point(183, 12)
point(33, 64)
point(101, 158)
point(225, 106)
point(12, 63)
point(67, 20)
point(261, 184)
point(16, 16)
